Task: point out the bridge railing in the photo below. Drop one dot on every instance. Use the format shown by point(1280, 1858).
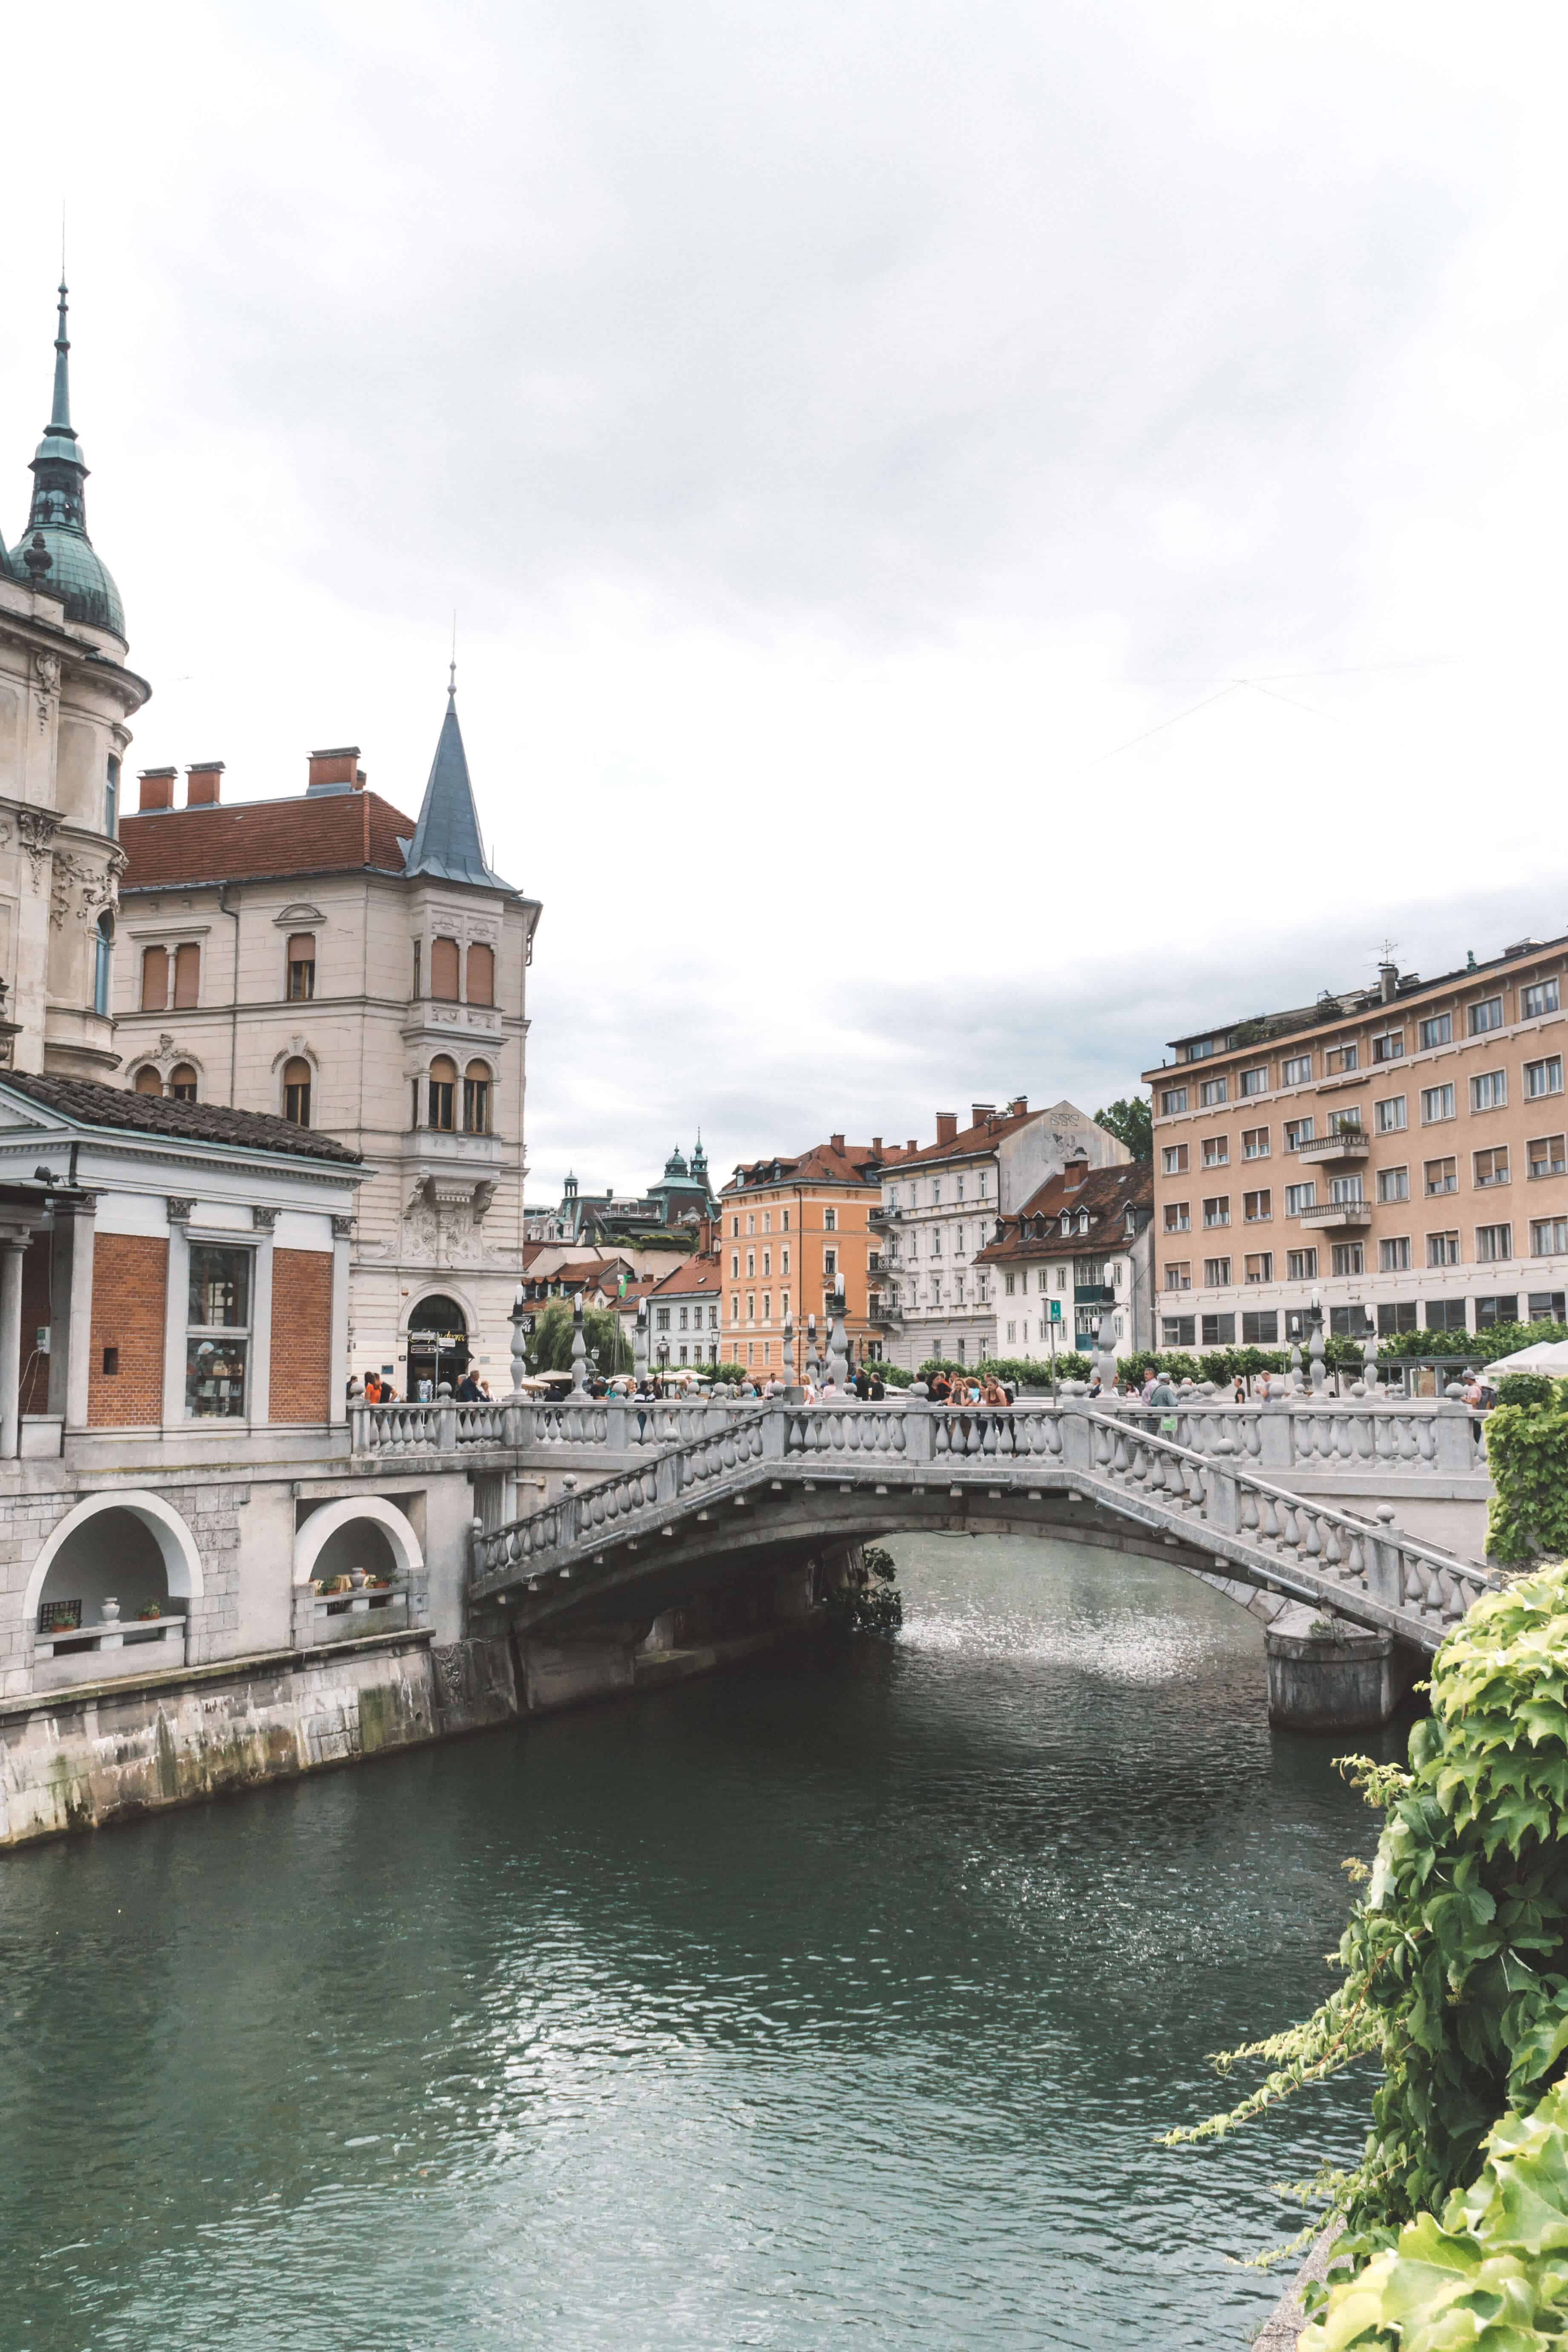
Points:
point(614, 1426)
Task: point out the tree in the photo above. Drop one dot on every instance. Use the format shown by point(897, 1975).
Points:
point(1132, 1123)
point(551, 1348)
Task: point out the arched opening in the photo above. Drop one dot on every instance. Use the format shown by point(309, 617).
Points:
point(131, 1549)
point(296, 1090)
point(443, 1094)
point(477, 1099)
point(147, 1081)
point(360, 1532)
point(182, 1082)
point(438, 1346)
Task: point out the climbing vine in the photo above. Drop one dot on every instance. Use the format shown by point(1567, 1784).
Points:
point(866, 1600)
point(1454, 1962)
point(1527, 1452)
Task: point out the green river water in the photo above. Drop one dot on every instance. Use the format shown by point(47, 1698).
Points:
point(835, 2003)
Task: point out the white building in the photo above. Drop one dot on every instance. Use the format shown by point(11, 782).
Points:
point(938, 1216)
point(1080, 1248)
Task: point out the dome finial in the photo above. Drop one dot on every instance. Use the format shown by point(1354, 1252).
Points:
point(60, 415)
point(452, 668)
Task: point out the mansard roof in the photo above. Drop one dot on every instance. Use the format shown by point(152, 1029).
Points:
point(88, 1102)
point(1104, 1194)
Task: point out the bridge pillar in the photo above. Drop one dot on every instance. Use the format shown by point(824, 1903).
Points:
point(1326, 1675)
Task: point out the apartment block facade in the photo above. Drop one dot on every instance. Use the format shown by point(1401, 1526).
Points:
point(792, 1230)
point(1393, 1158)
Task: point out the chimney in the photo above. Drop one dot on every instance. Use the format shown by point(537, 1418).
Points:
point(1388, 981)
point(980, 1112)
point(947, 1127)
point(1017, 1108)
point(911, 1145)
point(876, 1146)
point(204, 779)
point(836, 1142)
point(157, 788)
point(336, 772)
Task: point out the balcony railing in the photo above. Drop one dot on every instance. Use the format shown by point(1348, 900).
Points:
point(91, 1654)
point(1338, 1215)
point(1349, 1143)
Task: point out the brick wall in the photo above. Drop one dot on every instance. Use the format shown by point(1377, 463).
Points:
point(301, 1335)
point(130, 1277)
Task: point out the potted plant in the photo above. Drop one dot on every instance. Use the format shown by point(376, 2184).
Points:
point(150, 1609)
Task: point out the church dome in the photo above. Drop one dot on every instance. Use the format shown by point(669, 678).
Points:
point(55, 553)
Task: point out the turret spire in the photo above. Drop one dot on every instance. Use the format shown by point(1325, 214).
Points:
point(55, 553)
point(446, 839)
point(60, 415)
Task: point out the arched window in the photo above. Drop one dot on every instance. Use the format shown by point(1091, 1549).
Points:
point(477, 1099)
point(147, 1081)
point(154, 979)
point(102, 949)
point(444, 970)
point(481, 975)
point(182, 1084)
point(442, 1090)
point(296, 1091)
point(301, 967)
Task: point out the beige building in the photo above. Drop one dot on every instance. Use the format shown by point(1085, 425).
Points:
point(1394, 1156)
point(328, 959)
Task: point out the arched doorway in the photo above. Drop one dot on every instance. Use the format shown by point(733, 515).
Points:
point(438, 1346)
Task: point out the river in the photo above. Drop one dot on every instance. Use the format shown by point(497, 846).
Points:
point(822, 2005)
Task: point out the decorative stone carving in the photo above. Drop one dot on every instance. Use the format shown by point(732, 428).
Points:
point(179, 1211)
point(263, 1220)
point(37, 828)
point(46, 686)
point(342, 1229)
point(93, 887)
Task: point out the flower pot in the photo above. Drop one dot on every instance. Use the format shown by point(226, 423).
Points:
point(108, 1610)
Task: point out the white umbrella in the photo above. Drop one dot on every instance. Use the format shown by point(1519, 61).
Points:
point(1546, 1355)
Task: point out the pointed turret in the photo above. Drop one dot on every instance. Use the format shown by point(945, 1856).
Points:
point(447, 838)
point(55, 553)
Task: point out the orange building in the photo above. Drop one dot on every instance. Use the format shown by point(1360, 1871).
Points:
point(792, 1228)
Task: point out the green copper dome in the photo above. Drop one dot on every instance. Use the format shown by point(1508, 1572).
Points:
point(55, 552)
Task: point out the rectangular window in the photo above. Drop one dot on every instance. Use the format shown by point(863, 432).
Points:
point(1173, 1100)
point(1487, 1015)
point(1393, 1183)
point(829, 1265)
point(1389, 1047)
point(1343, 1058)
point(1346, 1122)
point(301, 967)
point(1216, 1151)
point(1255, 1081)
point(445, 973)
point(1436, 1030)
point(1539, 998)
point(751, 1266)
point(1349, 1258)
point(1257, 1208)
point(1489, 1091)
point(1212, 1091)
point(1442, 1249)
point(1548, 1155)
point(784, 1261)
point(1299, 1197)
point(1255, 1143)
point(734, 1266)
point(1201, 1051)
point(1549, 1237)
point(1261, 1329)
point(1009, 1279)
point(1298, 1131)
point(1545, 1307)
point(1350, 1322)
point(783, 1221)
point(1437, 1103)
point(661, 1319)
point(1219, 1330)
point(1441, 1176)
point(1445, 1315)
point(1345, 1188)
point(187, 976)
point(1389, 1115)
point(476, 1106)
point(1490, 1312)
point(1178, 1216)
point(1543, 1078)
point(1179, 1274)
point(1178, 1330)
point(217, 1332)
point(1301, 1265)
point(1296, 1070)
point(1491, 1167)
point(1259, 1266)
point(1175, 1159)
point(685, 1318)
point(1012, 1333)
point(1216, 1274)
point(767, 1259)
point(1217, 1211)
point(1397, 1315)
point(154, 979)
point(767, 1221)
point(1393, 1256)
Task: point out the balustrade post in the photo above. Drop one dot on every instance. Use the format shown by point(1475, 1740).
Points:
point(1224, 1506)
point(617, 1436)
point(1276, 1435)
point(775, 1428)
point(1455, 1445)
point(920, 1433)
point(1077, 1436)
point(1384, 1579)
point(667, 1477)
point(442, 1424)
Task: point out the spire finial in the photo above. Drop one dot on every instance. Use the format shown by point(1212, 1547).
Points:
point(452, 668)
point(60, 415)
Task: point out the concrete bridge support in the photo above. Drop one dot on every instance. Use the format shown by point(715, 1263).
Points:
point(1327, 1676)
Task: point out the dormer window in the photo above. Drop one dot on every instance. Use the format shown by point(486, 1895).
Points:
point(1083, 1221)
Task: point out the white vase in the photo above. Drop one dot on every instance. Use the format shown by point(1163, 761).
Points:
point(108, 1610)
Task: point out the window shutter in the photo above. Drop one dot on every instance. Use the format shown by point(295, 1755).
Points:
point(187, 975)
point(481, 975)
point(444, 970)
point(154, 979)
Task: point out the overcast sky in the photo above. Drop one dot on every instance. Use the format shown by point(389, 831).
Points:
point(863, 442)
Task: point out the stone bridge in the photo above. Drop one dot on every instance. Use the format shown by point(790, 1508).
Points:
point(774, 1484)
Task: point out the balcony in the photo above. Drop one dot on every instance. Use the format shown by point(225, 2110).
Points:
point(1349, 1143)
point(1093, 1294)
point(882, 1215)
point(1338, 1216)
